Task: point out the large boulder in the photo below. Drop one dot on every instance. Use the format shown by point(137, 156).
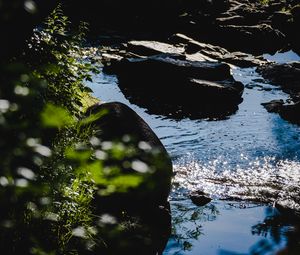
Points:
point(142, 212)
point(120, 122)
point(172, 85)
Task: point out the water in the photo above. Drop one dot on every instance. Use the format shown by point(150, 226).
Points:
point(283, 57)
point(253, 155)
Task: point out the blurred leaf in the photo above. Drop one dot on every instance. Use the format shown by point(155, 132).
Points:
point(56, 117)
point(77, 155)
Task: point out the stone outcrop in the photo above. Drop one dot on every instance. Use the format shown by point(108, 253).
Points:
point(173, 85)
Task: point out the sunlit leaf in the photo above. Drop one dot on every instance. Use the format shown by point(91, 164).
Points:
point(56, 117)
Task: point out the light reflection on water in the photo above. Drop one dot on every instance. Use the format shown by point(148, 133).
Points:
point(252, 155)
point(264, 180)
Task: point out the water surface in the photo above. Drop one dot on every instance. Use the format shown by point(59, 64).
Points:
point(252, 156)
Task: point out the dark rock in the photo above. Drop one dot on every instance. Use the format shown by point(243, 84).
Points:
point(139, 234)
point(274, 105)
point(144, 210)
point(235, 19)
point(285, 75)
point(275, 6)
point(296, 12)
point(254, 38)
point(119, 121)
point(295, 39)
point(199, 198)
point(166, 84)
point(281, 20)
point(291, 113)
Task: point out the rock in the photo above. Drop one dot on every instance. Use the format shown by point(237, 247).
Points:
point(285, 75)
point(149, 48)
point(168, 84)
point(144, 209)
point(199, 198)
point(147, 235)
point(216, 53)
point(295, 39)
point(280, 20)
point(185, 48)
point(296, 12)
point(118, 122)
point(250, 39)
point(274, 105)
point(291, 112)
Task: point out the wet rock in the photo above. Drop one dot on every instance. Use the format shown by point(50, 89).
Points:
point(274, 105)
point(199, 198)
point(168, 84)
point(291, 112)
point(285, 75)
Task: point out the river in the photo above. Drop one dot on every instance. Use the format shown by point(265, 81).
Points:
point(247, 163)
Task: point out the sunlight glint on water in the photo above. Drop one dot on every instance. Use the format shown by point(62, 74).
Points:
point(251, 155)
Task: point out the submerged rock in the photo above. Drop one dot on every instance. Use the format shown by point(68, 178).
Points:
point(171, 84)
point(199, 198)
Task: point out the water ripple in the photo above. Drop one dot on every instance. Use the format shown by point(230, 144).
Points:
point(265, 179)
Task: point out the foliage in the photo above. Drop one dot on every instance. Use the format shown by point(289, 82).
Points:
point(39, 101)
point(60, 59)
point(22, 193)
point(264, 2)
point(52, 164)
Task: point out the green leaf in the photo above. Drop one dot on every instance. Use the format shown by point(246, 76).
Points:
point(56, 117)
point(82, 156)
